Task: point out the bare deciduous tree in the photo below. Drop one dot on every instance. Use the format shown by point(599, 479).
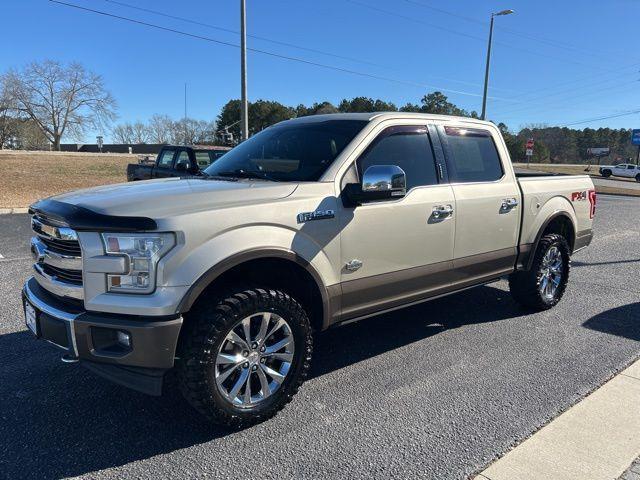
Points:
point(61, 100)
point(131, 133)
point(140, 133)
point(160, 129)
point(193, 132)
point(7, 119)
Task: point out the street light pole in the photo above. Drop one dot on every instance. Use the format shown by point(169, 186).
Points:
point(486, 72)
point(244, 108)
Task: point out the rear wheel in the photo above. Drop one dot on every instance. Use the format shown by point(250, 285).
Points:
point(542, 286)
point(244, 356)
point(606, 173)
point(638, 178)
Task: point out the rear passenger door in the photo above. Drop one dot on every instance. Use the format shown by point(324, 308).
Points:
point(164, 164)
point(487, 217)
point(631, 171)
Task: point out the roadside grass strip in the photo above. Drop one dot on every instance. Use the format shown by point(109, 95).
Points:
point(597, 438)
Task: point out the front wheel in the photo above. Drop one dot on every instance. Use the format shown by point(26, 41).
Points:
point(244, 356)
point(542, 286)
point(638, 178)
point(606, 173)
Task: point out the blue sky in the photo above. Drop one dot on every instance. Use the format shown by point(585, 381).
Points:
point(554, 62)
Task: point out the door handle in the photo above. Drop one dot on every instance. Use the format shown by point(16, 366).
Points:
point(442, 211)
point(509, 203)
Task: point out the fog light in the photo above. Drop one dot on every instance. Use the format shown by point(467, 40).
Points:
point(124, 338)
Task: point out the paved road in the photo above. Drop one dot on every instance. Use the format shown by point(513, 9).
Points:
point(434, 391)
point(616, 182)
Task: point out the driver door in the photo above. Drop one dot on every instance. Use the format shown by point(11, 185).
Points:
point(620, 170)
point(397, 251)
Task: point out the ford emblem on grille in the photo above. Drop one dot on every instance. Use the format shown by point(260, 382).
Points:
point(36, 253)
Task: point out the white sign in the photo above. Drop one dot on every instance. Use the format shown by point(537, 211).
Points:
point(529, 152)
point(598, 152)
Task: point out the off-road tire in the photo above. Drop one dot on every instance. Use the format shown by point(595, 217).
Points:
point(207, 325)
point(525, 285)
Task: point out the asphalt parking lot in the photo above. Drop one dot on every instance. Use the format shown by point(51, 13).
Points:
point(434, 391)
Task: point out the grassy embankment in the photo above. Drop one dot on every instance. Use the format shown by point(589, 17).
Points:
point(28, 176)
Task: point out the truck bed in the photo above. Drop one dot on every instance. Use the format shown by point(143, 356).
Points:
point(546, 193)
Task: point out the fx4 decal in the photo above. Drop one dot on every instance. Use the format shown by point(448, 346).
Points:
point(578, 196)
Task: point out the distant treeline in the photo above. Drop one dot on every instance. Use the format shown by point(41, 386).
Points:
point(552, 144)
point(564, 145)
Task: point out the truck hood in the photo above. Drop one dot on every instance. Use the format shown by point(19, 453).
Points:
point(168, 197)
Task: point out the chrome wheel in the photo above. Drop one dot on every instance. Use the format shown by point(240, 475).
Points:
point(551, 270)
point(254, 359)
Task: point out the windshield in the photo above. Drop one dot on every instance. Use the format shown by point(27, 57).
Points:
point(299, 152)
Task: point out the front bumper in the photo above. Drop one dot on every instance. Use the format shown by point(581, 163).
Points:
point(88, 337)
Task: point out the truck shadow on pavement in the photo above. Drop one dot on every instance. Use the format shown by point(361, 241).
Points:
point(62, 421)
point(622, 321)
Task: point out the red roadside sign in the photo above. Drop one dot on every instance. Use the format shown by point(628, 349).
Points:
point(530, 144)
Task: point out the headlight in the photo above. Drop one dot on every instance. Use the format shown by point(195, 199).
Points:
point(143, 252)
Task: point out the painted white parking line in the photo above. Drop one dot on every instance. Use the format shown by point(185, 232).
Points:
point(595, 439)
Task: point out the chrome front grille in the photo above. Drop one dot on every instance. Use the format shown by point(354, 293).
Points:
point(64, 247)
point(71, 276)
point(58, 257)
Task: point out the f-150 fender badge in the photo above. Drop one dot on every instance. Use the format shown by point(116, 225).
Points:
point(317, 215)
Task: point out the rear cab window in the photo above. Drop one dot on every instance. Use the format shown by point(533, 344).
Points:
point(203, 158)
point(166, 158)
point(183, 159)
point(473, 156)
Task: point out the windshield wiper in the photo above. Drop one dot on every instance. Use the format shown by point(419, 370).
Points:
point(240, 173)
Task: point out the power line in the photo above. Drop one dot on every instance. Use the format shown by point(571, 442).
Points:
point(607, 117)
point(525, 96)
point(272, 54)
point(276, 42)
point(567, 103)
point(235, 32)
point(579, 81)
point(508, 30)
point(564, 99)
point(462, 34)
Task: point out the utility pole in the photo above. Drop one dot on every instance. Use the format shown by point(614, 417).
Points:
point(486, 72)
point(185, 113)
point(244, 108)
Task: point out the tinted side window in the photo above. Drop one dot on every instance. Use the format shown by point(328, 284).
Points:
point(202, 159)
point(183, 159)
point(407, 147)
point(474, 157)
point(166, 158)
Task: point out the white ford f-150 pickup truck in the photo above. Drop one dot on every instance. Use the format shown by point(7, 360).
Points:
point(311, 223)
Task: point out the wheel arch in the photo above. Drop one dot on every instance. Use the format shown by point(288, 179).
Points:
point(257, 265)
point(560, 223)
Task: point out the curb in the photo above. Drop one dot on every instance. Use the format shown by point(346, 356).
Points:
point(594, 438)
point(8, 211)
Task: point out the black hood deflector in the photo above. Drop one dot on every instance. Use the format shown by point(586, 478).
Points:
point(83, 219)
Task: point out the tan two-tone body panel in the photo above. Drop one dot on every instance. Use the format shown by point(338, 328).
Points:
point(404, 256)
point(545, 197)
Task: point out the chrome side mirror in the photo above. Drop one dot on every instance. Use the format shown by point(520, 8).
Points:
point(384, 181)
